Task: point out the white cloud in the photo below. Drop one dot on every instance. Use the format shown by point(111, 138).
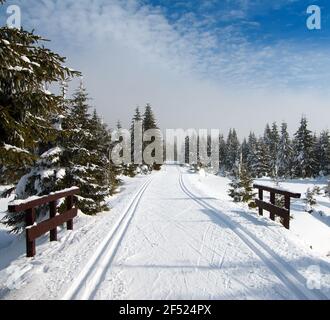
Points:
point(130, 54)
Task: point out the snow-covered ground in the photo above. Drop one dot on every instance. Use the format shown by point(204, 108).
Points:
point(171, 235)
point(313, 230)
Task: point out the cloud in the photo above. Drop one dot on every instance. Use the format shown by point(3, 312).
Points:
point(194, 71)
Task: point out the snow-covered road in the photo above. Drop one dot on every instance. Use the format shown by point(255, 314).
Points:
point(167, 238)
point(173, 242)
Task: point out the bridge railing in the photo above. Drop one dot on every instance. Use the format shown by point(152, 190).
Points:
point(35, 230)
point(271, 206)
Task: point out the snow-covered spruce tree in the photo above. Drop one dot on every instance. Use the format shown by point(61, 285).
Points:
point(241, 186)
point(87, 153)
point(322, 154)
point(149, 122)
point(261, 164)
point(26, 107)
point(252, 161)
point(284, 153)
point(222, 153)
point(232, 150)
point(130, 169)
point(271, 140)
point(303, 146)
point(102, 142)
point(310, 200)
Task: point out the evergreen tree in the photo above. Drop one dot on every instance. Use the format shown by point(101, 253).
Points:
point(261, 164)
point(252, 161)
point(284, 154)
point(149, 122)
point(303, 162)
point(241, 186)
point(222, 153)
point(137, 118)
point(232, 150)
point(26, 106)
point(322, 154)
point(271, 140)
point(87, 150)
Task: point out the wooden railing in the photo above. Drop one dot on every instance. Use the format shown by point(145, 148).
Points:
point(271, 206)
point(35, 230)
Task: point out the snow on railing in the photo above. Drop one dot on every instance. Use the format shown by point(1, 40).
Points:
point(35, 230)
point(275, 210)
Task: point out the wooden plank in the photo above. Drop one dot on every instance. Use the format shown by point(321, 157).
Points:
point(52, 214)
point(69, 205)
point(261, 197)
point(41, 201)
point(272, 201)
point(30, 218)
point(281, 212)
point(37, 231)
point(278, 191)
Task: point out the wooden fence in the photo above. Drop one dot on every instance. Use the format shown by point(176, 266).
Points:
point(35, 230)
point(271, 206)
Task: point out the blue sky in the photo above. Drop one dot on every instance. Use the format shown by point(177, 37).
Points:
point(194, 57)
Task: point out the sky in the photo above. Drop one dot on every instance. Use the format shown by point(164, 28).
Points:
point(201, 64)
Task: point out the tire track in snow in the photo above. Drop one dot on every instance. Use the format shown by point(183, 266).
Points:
point(86, 284)
point(282, 270)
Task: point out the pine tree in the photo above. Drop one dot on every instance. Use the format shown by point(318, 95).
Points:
point(26, 106)
point(242, 185)
point(322, 154)
point(303, 162)
point(232, 150)
point(149, 122)
point(88, 156)
point(252, 160)
point(222, 153)
point(271, 140)
point(310, 199)
point(137, 119)
point(261, 165)
point(284, 154)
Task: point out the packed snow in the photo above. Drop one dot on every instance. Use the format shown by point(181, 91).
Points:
point(171, 235)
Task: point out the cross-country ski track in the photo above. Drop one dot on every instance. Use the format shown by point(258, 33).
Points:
point(173, 242)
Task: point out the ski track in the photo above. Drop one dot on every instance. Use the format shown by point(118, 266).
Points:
point(86, 284)
point(164, 256)
point(289, 277)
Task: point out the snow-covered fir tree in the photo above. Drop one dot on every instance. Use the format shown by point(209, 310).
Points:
point(271, 140)
point(241, 185)
point(149, 122)
point(322, 154)
point(137, 120)
point(222, 153)
point(303, 161)
point(232, 150)
point(284, 153)
point(261, 164)
point(252, 156)
point(310, 199)
point(26, 106)
point(87, 153)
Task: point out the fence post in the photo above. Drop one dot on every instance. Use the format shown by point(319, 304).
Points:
point(30, 219)
point(69, 206)
point(272, 201)
point(261, 197)
point(52, 214)
point(287, 206)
